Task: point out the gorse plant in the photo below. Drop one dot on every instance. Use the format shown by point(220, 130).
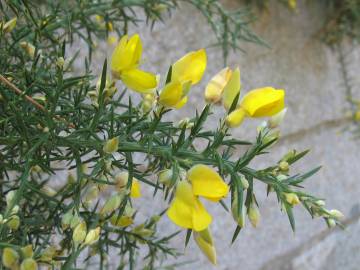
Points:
point(111, 149)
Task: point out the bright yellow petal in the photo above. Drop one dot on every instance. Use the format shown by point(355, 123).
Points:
point(190, 67)
point(215, 88)
point(127, 54)
point(171, 95)
point(235, 118)
point(186, 210)
point(263, 102)
point(232, 89)
point(207, 182)
point(135, 191)
point(139, 81)
point(181, 103)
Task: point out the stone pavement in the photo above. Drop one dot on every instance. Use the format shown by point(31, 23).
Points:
point(310, 72)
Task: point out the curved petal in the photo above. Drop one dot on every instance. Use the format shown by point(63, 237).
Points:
point(139, 81)
point(263, 102)
point(126, 54)
point(171, 95)
point(186, 210)
point(215, 88)
point(135, 191)
point(181, 103)
point(235, 118)
point(207, 183)
point(232, 89)
point(190, 67)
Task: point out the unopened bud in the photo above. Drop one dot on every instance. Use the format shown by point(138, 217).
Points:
point(292, 198)
point(60, 62)
point(79, 233)
point(244, 182)
point(75, 220)
point(71, 179)
point(10, 197)
point(49, 191)
point(122, 221)
point(320, 203)
point(238, 217)
point(205, 242)
point(331, 222)
point(336, 214)
point(155, 219)
point(254, 215)
point(28, 48)
point(111, 145)
point(91, 194)
point(281, 177)
point(284, 166)
point(15, 210)
point(92, 236)
point(289, 155)
point(10, 25)
point(48, 254)
point(165, 177)
point(121, 180)
point(13, 223)
point(27, 251)
point(10, 258)
point(277, 119)
point(111, 204)
point(29, 264)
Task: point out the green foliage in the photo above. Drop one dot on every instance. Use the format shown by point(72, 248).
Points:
point(48, 125)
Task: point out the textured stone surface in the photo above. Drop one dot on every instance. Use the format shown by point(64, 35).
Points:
point(298, 62)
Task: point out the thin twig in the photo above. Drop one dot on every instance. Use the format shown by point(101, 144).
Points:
point(31, 100)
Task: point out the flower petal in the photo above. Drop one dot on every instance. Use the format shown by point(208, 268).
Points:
point(215, 87)
point(236, 117)
point(171, 95)
point(135, 191)
point(190, 67)
point(207, 183)
point(126, 54)
point(139, 81)
point(186, 210)
point(232, 89)
point(263, 102)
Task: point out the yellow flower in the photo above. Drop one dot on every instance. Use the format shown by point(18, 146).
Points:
point(223, 86)
point(125, 62)
point(292, 4)
point(186, 210)
point(190, 67)
point(207, 183)
point(262, 102)
point(135, 191)
point(186, 72)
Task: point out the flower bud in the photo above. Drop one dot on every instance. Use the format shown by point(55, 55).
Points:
point(111, 204)
point(10, 258)
point(289, 155)
point(13, 223)
point(92, 236)
point(331, 222)
point(205, 242)
point(48, 254)
point(254, 215)
point(238, 217)
point(10, 25)
point(111, 145)
point(235, 118)
point(28, 48)
point(122, 221)
point(29, 264)
point(292, 198)
point(79, 233)
point(165, 177)
point(91, 194)
point(10, 197)
point(70, 179)
point(60, 62)
point(15, 210)
point(336, 214)
point(75, 220)
point(121, 180)
point(277, 119)
point(320, 203)
point(244, 182)
point(49, 191)
point(27, 251)
point(281, 177)
point(284, 166)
